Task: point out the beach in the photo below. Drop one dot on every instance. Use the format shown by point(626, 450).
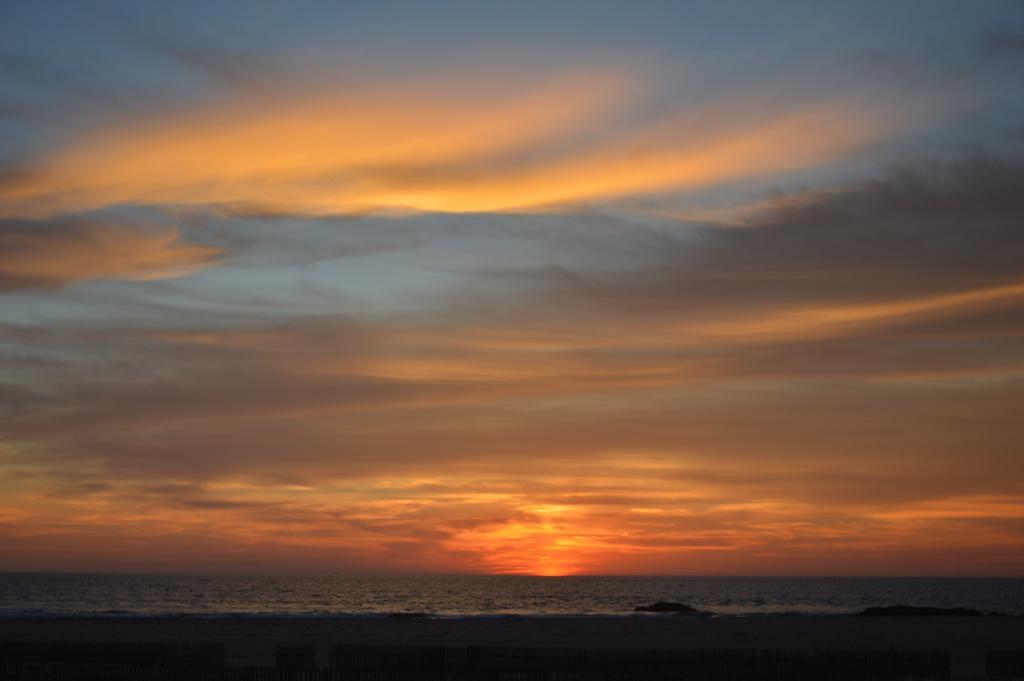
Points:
point(250, 641)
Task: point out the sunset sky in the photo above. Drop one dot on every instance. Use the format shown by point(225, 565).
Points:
point(524, 287)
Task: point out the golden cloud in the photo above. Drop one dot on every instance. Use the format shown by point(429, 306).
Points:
point(450, 145)
point(53, 255)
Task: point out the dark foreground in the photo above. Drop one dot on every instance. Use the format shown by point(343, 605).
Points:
point(525, 649)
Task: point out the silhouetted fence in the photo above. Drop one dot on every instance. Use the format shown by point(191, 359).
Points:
point(399, 663)
point(1005, 664)
point(131, 654)
point(413, 663)
point(295, 657)
point(154, 662)
point(15, 671)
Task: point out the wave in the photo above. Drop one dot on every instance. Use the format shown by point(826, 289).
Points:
point(123, 614)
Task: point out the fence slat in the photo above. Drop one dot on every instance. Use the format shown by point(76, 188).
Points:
point(195, 662)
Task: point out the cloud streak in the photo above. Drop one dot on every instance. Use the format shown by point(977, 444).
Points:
point(453, 144)
point(472, 320)
point(53, 254)
point(734, 401)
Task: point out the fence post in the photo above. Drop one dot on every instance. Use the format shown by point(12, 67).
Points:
point(473, 663)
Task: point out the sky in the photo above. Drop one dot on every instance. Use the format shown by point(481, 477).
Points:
point(679, 288)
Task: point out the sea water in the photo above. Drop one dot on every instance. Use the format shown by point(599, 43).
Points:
point(114, 595)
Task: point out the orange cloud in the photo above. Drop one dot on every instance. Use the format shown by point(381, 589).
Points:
point(836, 320)
point(42, 255)
point(550, 522)
point(741, 408)
point(451, 145)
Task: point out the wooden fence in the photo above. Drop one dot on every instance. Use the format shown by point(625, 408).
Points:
point(295, 657)
point(398, 663)
point(131, 654)
point(1005, 664)
point(154, 662)
point(25, 671)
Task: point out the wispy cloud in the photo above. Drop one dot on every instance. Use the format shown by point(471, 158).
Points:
point(479, 143)
point(733, 404)
point(473, 318)
point(54, 253)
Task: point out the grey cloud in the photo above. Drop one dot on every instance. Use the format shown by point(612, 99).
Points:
point(83, 97)
point(1003, 41)
point(244, 72)
point(944, 228)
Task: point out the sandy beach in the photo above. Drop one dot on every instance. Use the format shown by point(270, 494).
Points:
point(251, 641)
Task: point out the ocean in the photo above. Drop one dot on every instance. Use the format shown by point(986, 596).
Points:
point(128, 595)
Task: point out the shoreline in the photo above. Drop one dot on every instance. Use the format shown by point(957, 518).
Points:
point(412, 615)
point(441, 616)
